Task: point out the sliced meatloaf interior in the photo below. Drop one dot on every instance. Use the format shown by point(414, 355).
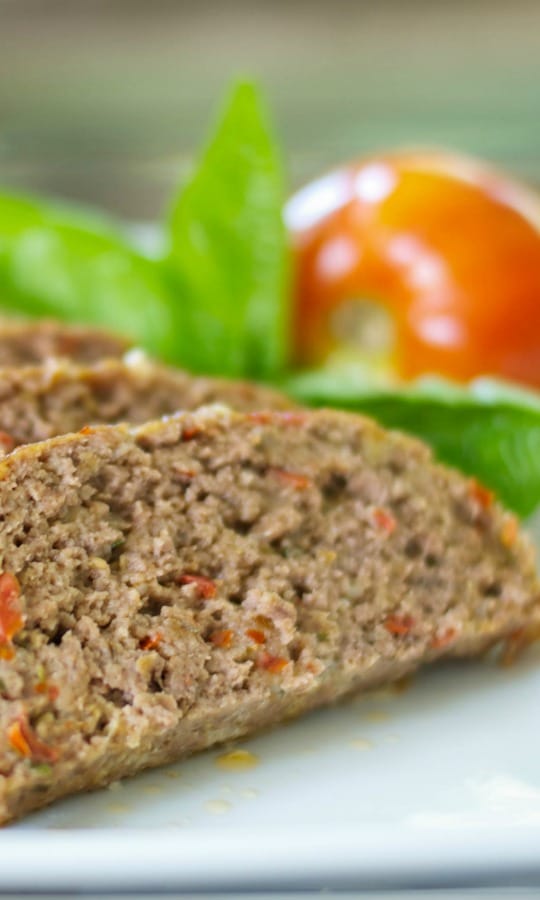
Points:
point(183, 584)
point(27, 342)
point(43, 401)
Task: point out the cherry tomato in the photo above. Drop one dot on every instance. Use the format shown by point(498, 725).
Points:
point(429, 262)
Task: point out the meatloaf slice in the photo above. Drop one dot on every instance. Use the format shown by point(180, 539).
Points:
point(43, 401)
point(182, 584)
point(26, 342)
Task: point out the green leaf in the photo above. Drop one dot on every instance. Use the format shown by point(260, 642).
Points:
point(74, 265)
point(490, 430)
point(228, 252)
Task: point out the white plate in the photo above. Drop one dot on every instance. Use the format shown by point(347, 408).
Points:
point(439, 784)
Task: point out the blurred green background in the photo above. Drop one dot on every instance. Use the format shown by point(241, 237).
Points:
point(106, 101)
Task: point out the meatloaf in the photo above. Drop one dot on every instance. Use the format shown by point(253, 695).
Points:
point(43, 401)
point(170, 587)
point(26, 342)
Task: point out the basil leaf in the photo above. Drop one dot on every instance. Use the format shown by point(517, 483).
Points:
point(228, 251)
point(490, 430)
point(59, 261)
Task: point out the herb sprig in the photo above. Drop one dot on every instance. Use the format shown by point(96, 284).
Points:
point(227, 249)
point(217, 299)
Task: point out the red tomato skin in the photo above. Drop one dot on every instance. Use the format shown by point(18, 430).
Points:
point(449, 247)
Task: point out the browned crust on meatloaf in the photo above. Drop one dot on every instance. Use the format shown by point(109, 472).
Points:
point(196, 579)
point(27, 342)
point(40, 402)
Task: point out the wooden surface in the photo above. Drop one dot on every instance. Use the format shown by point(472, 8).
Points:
point(105, 101)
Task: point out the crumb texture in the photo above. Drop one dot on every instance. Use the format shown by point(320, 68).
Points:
point(196, 579)
point(40, 402)
point(26, 343)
